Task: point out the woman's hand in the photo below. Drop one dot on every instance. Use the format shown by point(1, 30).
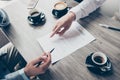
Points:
point(63, 24)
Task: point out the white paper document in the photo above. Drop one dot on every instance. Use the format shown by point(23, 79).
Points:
point(75, 38)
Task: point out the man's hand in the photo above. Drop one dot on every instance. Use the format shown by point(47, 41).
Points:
point(63, 24)
point(32, 70)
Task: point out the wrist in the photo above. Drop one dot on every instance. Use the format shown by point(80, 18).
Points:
point(26, 72)
point(23, 75)
point(72, 15)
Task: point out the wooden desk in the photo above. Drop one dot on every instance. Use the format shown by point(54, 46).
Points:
point(73, 66)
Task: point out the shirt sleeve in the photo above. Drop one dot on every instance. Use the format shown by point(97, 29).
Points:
point(84, 8)
point(17, 75)
point(21, 72)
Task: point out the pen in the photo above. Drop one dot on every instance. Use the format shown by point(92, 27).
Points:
point(52, 50)
point(109, 27)
point(41, 61)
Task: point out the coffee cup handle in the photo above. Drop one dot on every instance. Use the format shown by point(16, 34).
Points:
point(54, 12)
point(30, 19)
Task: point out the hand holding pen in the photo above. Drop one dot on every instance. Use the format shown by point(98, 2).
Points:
point(39, 65)
point(33, 69)
point(44, 57)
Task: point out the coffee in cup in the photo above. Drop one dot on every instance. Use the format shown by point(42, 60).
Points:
point(60, 9)
point(99, 58)
point(36, 17)
point(60, 6)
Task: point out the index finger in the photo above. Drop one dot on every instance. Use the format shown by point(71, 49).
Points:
point(55, 31)
point(35, 61)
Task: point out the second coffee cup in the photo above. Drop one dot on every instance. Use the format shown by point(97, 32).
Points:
point(60, 9)
point(36, 17)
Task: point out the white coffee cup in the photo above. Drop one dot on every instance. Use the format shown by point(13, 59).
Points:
point(99, 58)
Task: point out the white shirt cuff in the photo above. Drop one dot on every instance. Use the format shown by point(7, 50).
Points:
point(21, 72)
point(76, 10)
point(84, 8)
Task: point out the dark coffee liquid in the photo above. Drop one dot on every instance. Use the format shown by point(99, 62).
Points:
point(98, 59)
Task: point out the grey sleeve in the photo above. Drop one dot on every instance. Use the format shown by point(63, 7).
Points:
point(13, 76)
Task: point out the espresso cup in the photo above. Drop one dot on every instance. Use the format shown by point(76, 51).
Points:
point(99, 58)
point(60, 9)
point(99, 63)
point(36, 17)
